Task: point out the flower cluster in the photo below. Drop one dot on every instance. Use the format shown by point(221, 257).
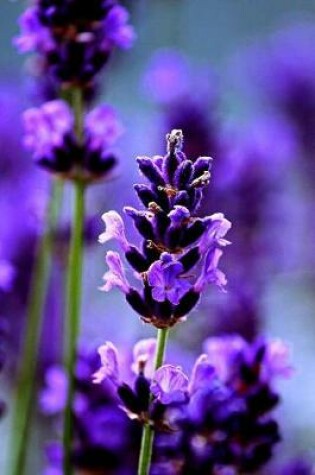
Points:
point(74, 38)
point(102, 431)
point(180, 251)
point(152, 390)
point(228, 425)
point(219, 417)
point(49, 134)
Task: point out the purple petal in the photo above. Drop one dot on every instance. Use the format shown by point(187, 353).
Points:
point(277, 360)
point(222, 351)
point(34, 36)
point(116, 28)
point(143, 356)
point(114, 229)
point(169, 384)
point(210, 273)
point(155, 275)
point(46, 127)
point(103, 127)
point(216, 231)
point(159, 294)
point(109, 360)
point(202, 375)
point(115, 276)
point(179, 214)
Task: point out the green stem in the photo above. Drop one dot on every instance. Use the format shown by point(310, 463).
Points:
point(74, 290)
point(75, 267)
point(26, 376)
point(148, 432)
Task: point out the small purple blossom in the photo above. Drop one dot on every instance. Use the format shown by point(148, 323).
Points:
point(114, 229)
point(115, 276)
point(166, 280)
point(46, 127)
point(117, 31)
point(277, 360)
point(210, 273)
point(34, 36)
point(222, 352)
point(178, 215)
point(109, 360)
point(167, 76)
point(50, 135)
point(216, 232)
point(143, 356)
point(202, 374)
point(170, 384)
point(103, 127)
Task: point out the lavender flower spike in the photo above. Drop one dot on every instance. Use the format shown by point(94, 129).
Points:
point(170, 384)
point(176, 244)
point(50, 135)
point(109, 359)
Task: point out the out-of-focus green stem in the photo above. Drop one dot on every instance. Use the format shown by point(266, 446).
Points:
point(74, 290)
point(148, 432)
point(22, 408)
point(73, 318)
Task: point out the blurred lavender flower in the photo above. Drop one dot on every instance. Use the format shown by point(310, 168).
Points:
point(249, 184)
point(76, 39)
point(102, 431)
point(228, 425)
point(189, 100)
point(175, 240)
point(283, 70)
point(49, 135)
point(7, 275)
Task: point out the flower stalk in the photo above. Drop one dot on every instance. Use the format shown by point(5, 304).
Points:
point(73, 316)
point(74, 290)
point(146, 448)
point(27, 371)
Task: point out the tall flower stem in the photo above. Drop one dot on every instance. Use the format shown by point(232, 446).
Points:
point(26, 374)
point(73, 317)
point(148, 432)
point(74, 290)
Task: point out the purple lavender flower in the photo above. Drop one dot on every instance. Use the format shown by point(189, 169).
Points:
point(34, 35)
point(175, 241)
point(102, 432)
point(75, 40)
point(169, 385)
point(143, 357)
point(46, 128)
point(109, 359)
point(164, 277)
point(227, 424)
point(146, 397)
point(167, 76)
point(50, 136)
